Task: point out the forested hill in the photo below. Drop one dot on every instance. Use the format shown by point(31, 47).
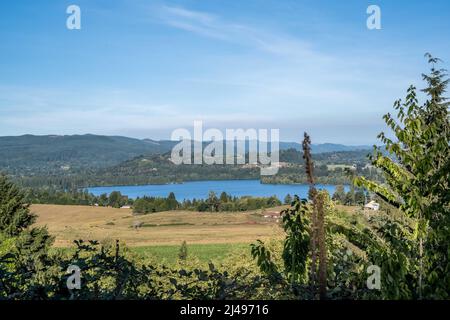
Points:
point(151, 169)
point(29, 154)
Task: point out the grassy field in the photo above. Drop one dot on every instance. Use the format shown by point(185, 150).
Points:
point(68, 223)
point(215, 252)
point(168, 254)
point(209, 236)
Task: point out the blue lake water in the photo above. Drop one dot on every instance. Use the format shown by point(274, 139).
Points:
point(200, 189)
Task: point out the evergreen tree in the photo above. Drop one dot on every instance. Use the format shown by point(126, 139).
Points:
point(15, 213)
point(223, 197)
point(287, 199)
point(172, 202)
point(30, 271)
point(360, 197)
point(339, 194)
point(350, 197)
point(213, 202)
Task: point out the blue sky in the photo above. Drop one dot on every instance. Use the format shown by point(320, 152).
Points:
point(145, 68)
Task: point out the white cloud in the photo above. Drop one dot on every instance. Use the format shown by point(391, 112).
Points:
point(210, 25)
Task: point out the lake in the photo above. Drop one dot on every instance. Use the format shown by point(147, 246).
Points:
point(200, 189)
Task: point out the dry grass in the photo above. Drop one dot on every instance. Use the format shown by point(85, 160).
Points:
point(68, 223)
point(347, 209)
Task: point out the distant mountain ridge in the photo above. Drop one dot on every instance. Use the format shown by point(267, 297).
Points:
point(324, 147)
point(29, 153)
point(43, 154)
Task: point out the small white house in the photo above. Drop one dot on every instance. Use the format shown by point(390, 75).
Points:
point(372, 205)
point(125, 207)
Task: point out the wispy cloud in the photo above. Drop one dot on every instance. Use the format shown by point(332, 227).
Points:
point(213, 26)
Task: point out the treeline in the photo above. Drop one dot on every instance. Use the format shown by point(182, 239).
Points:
point(290, 174)
point(158, 169)
point(354, 197)
point(213, 203)
point(324, 174)
point(147, 204)
point(76, 197)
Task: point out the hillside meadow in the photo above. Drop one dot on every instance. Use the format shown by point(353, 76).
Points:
point(210, 236)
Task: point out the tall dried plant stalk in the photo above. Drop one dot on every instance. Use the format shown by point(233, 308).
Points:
point(317, 231)
point(309, 168)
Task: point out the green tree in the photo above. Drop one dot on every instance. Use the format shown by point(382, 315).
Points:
point(223, 197)
point(339, 194)
point(172, 202)
point(213, 202)
point(350, 197)
point(417, 176)
point(27, 267)
point(287, 199)
point(15, 213)
point(103, 200)
point(360, 197)
point(116, 199)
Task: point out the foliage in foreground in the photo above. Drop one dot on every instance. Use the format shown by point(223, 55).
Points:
point(410, 243)
point(418, 183)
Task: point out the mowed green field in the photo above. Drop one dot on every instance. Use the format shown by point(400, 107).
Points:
point(215, 253)
point(168, 254)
